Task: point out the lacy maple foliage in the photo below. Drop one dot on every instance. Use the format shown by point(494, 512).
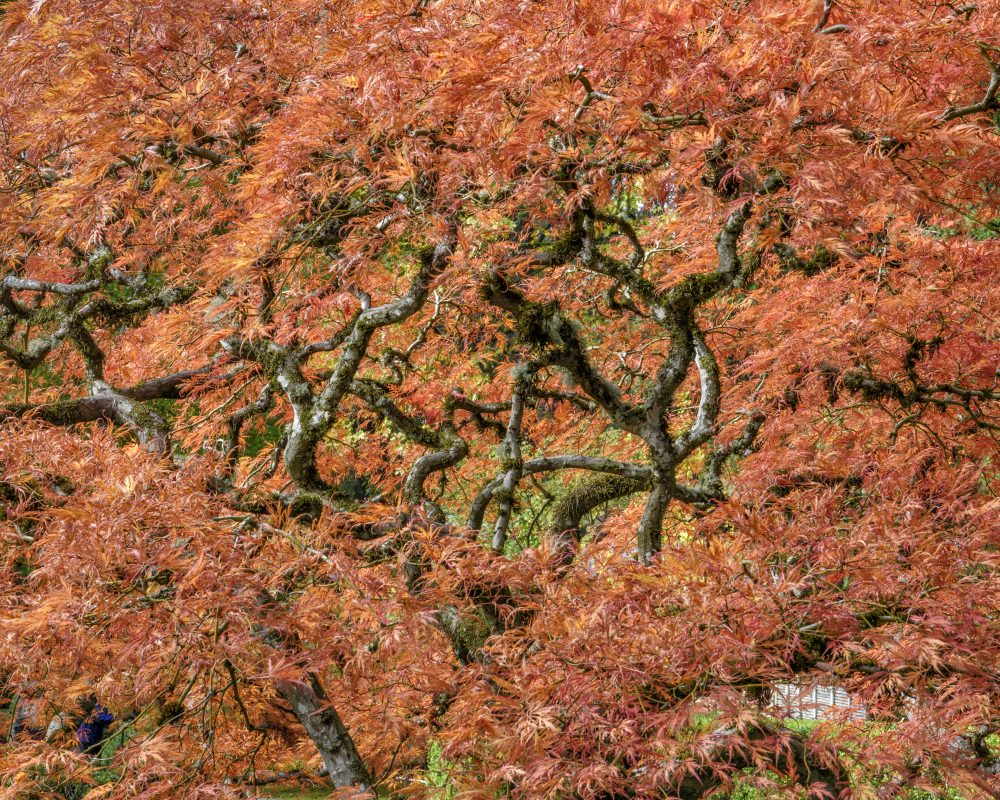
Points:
point(501, 399)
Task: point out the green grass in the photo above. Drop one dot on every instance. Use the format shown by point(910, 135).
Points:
point(294, 793)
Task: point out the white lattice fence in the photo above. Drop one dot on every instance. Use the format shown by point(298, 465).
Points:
point(817, 702)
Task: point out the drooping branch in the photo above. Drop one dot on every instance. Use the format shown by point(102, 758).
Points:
point(545, 327)
point(448, 448)
point(991, 98)
point(72, 316)
point(824, 16)
point(709, 488)
point(328, 345)
point(534, 466)
point(91, 409)
point(314, 412)
point(234, 427)
point(572, 507)
point(432, 262)
point(914, 395)
point(119, 406)
point(150, 428)
point(425, 466)
point(14, 283)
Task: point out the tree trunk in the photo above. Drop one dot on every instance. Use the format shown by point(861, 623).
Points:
point(650, 535)
point(325, 728)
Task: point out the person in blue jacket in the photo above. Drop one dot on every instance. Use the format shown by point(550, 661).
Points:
point(93, 728)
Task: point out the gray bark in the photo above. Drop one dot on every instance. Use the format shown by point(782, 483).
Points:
point(323, 724)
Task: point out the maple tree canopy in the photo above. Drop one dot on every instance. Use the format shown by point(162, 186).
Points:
point(502, 399)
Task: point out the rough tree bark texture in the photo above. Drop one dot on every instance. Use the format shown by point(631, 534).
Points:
point(314, 710)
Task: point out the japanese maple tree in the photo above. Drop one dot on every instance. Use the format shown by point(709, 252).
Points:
point(522, 397)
